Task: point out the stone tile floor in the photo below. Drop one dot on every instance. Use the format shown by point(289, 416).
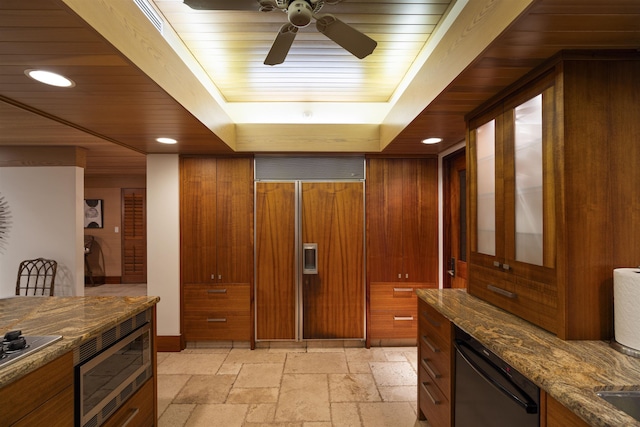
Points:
point(293, 387)
point(320, 384)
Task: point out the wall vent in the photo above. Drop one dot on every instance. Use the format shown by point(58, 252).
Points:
point(309, 168)
point(151, 14)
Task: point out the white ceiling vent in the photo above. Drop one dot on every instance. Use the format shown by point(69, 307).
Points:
point(151, 14)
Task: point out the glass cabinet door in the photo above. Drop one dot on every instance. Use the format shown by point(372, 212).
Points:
point(528, 165)
point(486, 188)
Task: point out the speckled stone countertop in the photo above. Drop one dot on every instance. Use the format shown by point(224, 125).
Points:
point(77, 319)
point(569, 371)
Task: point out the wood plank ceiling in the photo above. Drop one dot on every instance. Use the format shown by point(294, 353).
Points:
point(232, 45)
point(116, 110)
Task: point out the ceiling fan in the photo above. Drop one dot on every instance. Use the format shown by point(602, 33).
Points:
point(299, 13)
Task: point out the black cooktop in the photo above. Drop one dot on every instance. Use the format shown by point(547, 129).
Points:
point(16, 346)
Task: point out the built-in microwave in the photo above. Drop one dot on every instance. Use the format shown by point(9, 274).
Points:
point(106, 379)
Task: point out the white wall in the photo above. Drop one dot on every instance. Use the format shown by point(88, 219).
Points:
point(163, 239)
point(46, 208)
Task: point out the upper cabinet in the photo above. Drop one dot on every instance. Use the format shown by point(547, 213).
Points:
point(511, 190)
point(551, 208)
point(217, 220)
point(513, 167)
point(402, 234)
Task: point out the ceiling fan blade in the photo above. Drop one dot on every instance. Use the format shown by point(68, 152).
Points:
point(345, 35)
point(223, 4)
point(281, 45)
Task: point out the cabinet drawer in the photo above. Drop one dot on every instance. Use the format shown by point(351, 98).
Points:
point(393, 324)
point(217, 326)
point(434, 325)
point(232, 297)
point(436, 361)
point(433, 404)
point(389, 295)
point(534, 301)
point(137, 411)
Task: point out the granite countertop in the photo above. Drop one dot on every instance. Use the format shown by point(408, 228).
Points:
point(77, 319)
point(569, 371)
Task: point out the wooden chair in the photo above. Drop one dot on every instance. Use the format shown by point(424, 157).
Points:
point(36, 277)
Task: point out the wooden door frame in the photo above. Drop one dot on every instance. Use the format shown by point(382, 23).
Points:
point(447, 161)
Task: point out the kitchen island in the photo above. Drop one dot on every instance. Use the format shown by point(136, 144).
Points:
point(78, 320)
point(570, 372)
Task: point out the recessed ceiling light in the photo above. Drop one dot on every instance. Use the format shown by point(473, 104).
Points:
point(49, 78)
point(431, 140)
point(167, 140)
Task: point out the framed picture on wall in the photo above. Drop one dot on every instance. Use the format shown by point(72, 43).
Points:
point(93, 213)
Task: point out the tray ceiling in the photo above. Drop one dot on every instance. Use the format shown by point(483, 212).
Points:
point(203, 82)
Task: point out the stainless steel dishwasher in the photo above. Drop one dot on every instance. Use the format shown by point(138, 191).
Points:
point(488, 391)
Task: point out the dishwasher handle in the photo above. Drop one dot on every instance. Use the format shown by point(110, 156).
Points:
point(523, 400)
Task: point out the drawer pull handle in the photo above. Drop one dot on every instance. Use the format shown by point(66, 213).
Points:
point(408, 318)
point(221, 319)
point(429, 344)
point(402, 289)
point(217, 291)
point(432, 372)
point(431, 320)
point(134, 412)
point(502, 292)
point(429, 395)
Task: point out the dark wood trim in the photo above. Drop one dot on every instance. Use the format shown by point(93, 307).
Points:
point(447, 165)
point(169, 343)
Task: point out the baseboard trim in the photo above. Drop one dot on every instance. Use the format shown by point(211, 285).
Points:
point(168, 343)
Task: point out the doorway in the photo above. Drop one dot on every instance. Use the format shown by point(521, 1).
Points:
point(134, 236)
point(455, 220)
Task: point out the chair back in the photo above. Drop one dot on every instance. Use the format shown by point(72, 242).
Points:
point(36, 277)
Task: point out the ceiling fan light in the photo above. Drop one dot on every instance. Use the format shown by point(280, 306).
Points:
point(432, 140)
point(50, 78)
point(300, 13)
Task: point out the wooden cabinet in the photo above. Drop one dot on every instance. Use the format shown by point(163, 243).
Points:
point(216, 220)
point(552, 209)
point(41, 398)
point(512, 222)
point(216, 216)
point(217, 312)
point(435, 366)
point(138, 410)
point(402, 242)
point(393, 312)
point(554, 414)
point(402, 226)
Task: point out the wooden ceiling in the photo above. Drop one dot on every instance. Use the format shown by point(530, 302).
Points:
point(232, 45)
point(119, 106)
